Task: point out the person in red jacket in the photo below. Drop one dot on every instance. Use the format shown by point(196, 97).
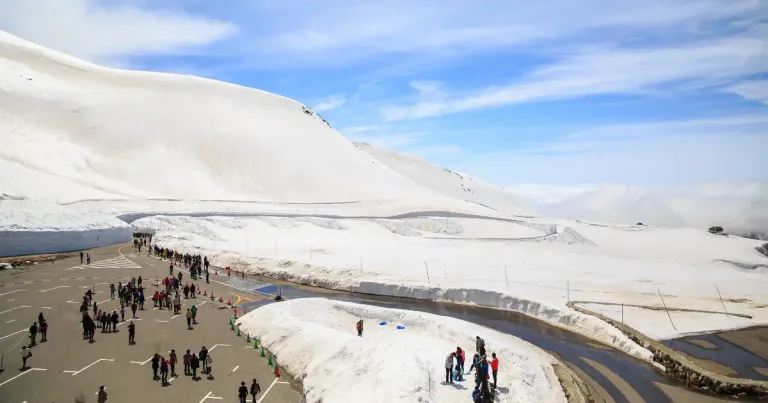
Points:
point(494, 368)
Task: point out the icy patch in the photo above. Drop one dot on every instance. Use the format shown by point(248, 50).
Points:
point(398, 227)
point(314, 339)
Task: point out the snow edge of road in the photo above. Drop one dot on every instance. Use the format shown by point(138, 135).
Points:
point(564, 318)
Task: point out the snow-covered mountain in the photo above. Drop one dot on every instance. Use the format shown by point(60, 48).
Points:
point(449, 183)
point(72, 130)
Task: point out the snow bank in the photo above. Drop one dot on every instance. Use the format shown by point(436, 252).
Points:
point(31, 228)
point(315, 340)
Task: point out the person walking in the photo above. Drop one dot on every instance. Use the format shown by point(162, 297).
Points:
point(208, 362)
point(494, 368)
point(255, 389)
point(359, 327)
point(43, 330)
point(33, 334)
point(172, 361)
point(134, 306)
point(115, 318)
point(88, 258)
point(131, 333)
point(187, 358)
point(189, 319)
point(164, 370)
point(242, 392)
point(155, 365)
point(194, 363)
point(102, 395)
point(25, 354)
point(81, 257)
point(202, 355)
point(112, 291)
point(194, 314)
point(449, 368)
point(122, 313)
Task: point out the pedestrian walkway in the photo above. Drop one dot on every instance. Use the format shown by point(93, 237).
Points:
point(119, 262)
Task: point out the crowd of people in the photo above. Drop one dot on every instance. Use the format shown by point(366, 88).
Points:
point(483, 391)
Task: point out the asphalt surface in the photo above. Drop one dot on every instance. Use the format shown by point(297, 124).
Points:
point(67, 368)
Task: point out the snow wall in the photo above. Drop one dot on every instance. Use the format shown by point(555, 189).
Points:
point(20, 243)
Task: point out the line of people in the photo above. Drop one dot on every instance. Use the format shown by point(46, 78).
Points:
point(483, 391)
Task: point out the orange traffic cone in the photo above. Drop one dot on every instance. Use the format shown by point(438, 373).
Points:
point(229, 301)
point(221, 299)
point(205, 293)
point(277, 371)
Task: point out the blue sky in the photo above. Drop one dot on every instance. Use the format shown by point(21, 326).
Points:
point(561, 92)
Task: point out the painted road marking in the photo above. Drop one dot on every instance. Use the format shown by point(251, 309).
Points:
point(7, 336)
point(210, 396)
point(46, 307)
point(174, 317)
point(267, 391)
point(119, 262)
point(88, 366)
point(11, 292)
point(171, 380)
point(106, 300)
point(216, 345)
point(25, 372)
point(122, 323)
point(142, 363)
point(9, 310)
point(161, 321)
point(233, 370)
point(12, 320)
point(60, 286)
point(11, 300)
point(72, 302)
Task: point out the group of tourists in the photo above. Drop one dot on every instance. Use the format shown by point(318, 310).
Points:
point(483, 391)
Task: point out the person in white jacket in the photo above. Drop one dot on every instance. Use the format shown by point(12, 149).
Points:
point(449, 368)
point(208, 362)
point(25, 354)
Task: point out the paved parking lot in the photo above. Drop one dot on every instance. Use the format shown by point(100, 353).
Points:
point(67, 368)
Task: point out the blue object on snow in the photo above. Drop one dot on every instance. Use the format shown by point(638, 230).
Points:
point(401, 327)
point(383, 323)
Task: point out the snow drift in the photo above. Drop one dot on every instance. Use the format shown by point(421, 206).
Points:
point(315, 340)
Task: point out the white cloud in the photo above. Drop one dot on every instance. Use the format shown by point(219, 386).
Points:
point(737, 206)
point(331, 102)
point(608, 71)
point(100, 32)
point(753, 90)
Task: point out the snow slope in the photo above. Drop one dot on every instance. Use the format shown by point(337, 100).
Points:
point(450, 183)
point(148, 135)
point(315, 340)
point(29, 227)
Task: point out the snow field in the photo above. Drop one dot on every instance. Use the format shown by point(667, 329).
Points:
point(315, 340)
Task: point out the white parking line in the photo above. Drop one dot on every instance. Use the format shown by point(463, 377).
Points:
point(25, 372)
point(9, 310)
point(161, 321)
point(216, 345)
point(12, 320)
point(142, 363)
point(12, 299)
point(208, 396)
point(174, 317)
point(267, 391)
point(88, 366)
point(122, 323)
point(9, 335)
point(233, 370)
point(46, 307)
point(11, 292)
point(60, 286)
point(106, 300)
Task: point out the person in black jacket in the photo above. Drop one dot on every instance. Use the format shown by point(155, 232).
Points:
point(194, 364)
point(242, 392)
point(255, 389)
point(155, 365)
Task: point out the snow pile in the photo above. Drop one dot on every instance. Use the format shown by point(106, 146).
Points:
point(577, 262)
point(315, 340)
point(31, 227)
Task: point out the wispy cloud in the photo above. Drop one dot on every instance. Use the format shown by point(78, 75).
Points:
point(108, 32)
point(331, 102)
point(609, 71)
point(753, 90)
